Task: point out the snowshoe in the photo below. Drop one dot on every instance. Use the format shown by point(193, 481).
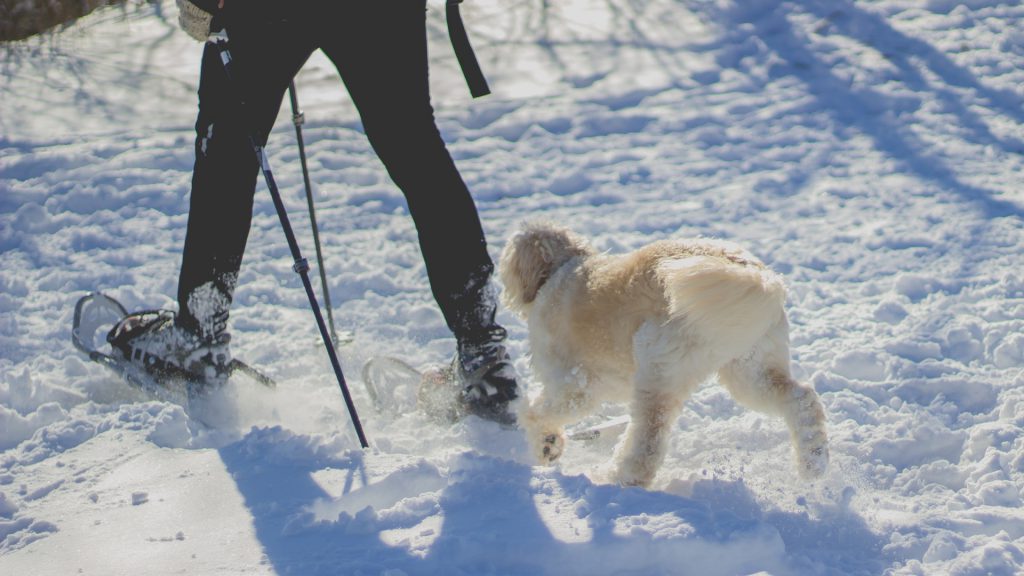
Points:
point(396, 387)
point(150, 366)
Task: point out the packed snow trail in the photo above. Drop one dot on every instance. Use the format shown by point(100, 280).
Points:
point(869, 151)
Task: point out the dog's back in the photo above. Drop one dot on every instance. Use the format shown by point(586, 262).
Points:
point(708, 288)
point(730, 305)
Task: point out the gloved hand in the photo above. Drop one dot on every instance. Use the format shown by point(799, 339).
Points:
point(195, 16)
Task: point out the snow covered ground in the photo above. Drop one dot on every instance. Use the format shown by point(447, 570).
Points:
point(871, 151)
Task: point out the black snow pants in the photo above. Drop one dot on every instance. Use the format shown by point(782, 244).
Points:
point(379, 48)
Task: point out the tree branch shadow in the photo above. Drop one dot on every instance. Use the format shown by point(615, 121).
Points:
point(872, 112)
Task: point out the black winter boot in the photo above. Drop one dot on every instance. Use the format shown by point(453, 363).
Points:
point(486, 377)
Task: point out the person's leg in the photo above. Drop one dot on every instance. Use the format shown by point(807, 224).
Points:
point(266, 54)
point(380, 50)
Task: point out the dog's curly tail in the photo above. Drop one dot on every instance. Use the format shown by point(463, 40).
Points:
point(729, 305)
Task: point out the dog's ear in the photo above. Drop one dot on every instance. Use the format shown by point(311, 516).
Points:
point(524, 266)
point(531, 256)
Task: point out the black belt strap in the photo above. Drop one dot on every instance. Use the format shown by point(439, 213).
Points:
point(464, 51)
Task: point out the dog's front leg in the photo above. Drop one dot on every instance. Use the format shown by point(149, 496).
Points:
point(665, 378)
point(646, 441)
point(564, 400)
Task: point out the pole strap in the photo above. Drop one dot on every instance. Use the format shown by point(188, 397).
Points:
point(464, 51)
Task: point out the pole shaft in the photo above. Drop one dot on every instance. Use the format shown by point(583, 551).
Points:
point(300, 265)
point(297, 118)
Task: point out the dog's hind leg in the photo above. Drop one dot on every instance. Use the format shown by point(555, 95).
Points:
point(761, 381)
point(665, 378)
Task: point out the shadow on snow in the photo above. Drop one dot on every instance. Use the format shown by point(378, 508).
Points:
point(492, 521)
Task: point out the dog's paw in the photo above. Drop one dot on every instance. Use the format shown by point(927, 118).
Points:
point(814, 462)
point(633, 472)
point(628, 479)
point(552, 447)
point(546, 440)
point(812, 456)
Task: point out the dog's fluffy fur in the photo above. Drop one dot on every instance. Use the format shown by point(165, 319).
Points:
point(648, 327)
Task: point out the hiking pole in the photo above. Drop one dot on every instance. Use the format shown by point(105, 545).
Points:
point(298, 119)
point(301, 266)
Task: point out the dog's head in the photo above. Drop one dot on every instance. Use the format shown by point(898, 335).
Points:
point(531, 256)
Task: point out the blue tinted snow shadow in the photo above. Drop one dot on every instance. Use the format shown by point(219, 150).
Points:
point(870, 111)
point(279, 493)
point(491, 523)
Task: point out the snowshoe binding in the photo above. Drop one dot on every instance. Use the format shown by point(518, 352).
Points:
point(154, 342)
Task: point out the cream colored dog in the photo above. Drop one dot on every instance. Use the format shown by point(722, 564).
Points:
point(649, 327)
